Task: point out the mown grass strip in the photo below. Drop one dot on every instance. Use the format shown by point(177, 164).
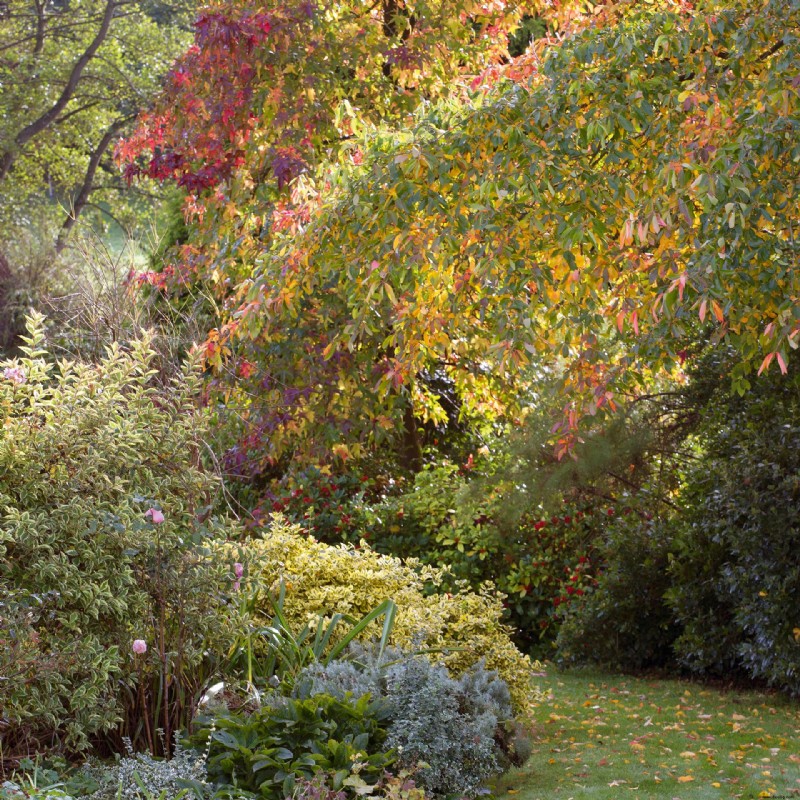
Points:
point(608, 736)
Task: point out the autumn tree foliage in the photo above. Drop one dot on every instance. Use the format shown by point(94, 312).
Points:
point(270, 93)
point(596, 208)
point(269, 89)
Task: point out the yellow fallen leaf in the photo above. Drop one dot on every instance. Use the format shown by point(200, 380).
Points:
point(512, 791)
point(716, 784)
point(685, 779)
point(688, 754)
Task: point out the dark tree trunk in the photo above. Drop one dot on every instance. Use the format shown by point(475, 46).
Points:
point(412, 447)
point(82, 197)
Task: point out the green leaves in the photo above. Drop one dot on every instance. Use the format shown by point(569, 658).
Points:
point(288, 653)
point(272, 749)
point(84, 451)
point(74, 78)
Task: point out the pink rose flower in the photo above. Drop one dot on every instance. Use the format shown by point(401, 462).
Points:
point(139, 646)
point(154, 515)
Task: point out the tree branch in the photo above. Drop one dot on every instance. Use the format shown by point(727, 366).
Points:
point(82, 197)
point(49, 116)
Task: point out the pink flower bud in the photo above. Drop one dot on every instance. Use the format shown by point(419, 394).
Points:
point(154, 515)
point(238, 569)
point(139, 646)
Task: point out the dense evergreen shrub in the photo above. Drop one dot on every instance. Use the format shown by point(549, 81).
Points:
point(624, 621)
point(736, 572)
point(111, 600)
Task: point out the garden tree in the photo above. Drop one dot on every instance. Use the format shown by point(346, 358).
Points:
point(627, 196)
point(74, 76)
point(596, 210)
point(269, 91)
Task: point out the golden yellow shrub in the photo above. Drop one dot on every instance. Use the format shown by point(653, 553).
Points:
point(322, 580)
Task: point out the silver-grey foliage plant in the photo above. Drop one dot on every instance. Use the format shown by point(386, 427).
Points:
point(448, 724)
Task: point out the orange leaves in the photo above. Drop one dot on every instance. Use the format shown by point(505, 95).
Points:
point(716, 309)
point(626, 232)
point(777, 355)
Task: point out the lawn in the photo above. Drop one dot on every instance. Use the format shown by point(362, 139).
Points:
point(609, 736)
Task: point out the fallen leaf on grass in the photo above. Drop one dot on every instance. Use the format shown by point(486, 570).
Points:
point(685, 779)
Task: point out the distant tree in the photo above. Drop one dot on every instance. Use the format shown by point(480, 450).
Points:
point(75, 75)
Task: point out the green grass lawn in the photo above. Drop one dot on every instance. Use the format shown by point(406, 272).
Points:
point(608, 736)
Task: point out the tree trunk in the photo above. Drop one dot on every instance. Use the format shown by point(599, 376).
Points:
point(411, 446)
point(82, 197)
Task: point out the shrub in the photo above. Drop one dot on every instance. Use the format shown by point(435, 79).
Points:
point(294, 739)
point(736, 573)
point(461, 728)
point(339, 679)
point(624, 622)
point(352, 580)
point(331, 507)
point(448, 724)
point(539, 563)
point(103, 541)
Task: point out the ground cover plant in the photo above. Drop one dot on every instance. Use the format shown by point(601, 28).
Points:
point(607, 736)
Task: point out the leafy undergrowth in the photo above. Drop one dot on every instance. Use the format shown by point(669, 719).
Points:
point(608, 736)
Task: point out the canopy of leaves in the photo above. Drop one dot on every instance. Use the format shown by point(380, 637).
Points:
point(597, 207)
point(630, 194)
